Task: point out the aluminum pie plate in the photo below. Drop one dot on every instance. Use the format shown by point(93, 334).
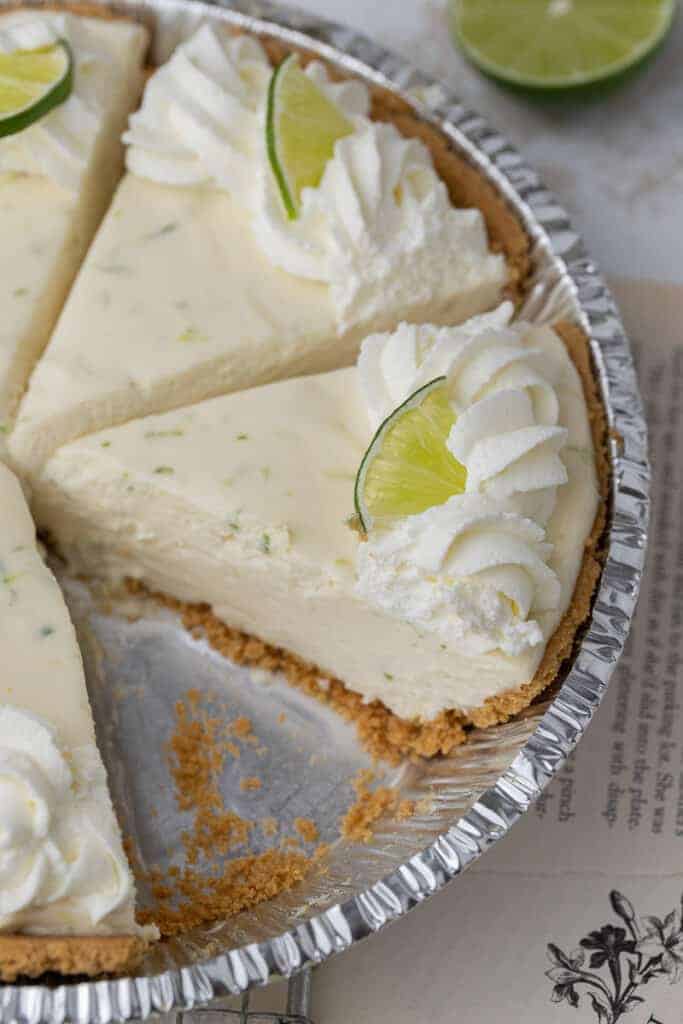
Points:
point(138, 669)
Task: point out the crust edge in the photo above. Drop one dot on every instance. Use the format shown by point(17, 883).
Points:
point(30, 956)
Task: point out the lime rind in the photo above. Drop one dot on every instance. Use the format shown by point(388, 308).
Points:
point(302, 129)
point(408, 467)
point(32, 83)
point(561, 44)
point(271, 147)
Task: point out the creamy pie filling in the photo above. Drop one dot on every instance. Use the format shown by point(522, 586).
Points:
point(242, 502)
point(56, 178)
point(62, 866)
point(197, 285)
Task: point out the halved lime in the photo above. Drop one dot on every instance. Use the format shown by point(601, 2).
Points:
point(33, 82)
point(557, 44)
point(302, 126)
point(408, 468)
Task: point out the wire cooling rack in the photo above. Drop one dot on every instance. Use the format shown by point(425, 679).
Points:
point(296, 1011)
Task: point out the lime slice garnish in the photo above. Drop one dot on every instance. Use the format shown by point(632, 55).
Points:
point(33, 82)
point(408, 468)
point(557, 44)
point(302, 126)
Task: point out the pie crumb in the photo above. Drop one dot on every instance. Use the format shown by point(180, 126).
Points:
point(307, 829)
point(196, 899)
point(241, 728)
point(406, 809)
point(251, 782)
point(204, 890)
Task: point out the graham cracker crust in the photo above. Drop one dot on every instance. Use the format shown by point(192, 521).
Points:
point(381, 732)
point(30, 956)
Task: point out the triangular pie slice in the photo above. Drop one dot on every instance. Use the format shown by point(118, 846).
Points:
point(460, 615)
point(66, 892)
point(197, 284)
point(56, 179)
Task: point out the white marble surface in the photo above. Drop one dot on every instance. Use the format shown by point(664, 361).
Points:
point(617, 166)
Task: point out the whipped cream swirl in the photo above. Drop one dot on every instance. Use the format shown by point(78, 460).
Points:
point(60, 145)
point(393, 365)
point(202, 116)
point(379, 229)
point(56, 845)
point(468, 570)
point(474, 570)
point(502, 387)
point(199, 120)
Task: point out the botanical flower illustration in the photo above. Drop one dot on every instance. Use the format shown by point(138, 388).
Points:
point(621, 960)
point(609, 943)
point(664, 939)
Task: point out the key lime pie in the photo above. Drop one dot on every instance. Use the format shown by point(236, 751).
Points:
point(58, 169)
point(288, 395)
point(200, 282)
point(476, 499)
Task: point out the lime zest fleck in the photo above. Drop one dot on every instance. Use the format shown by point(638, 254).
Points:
point(191, 334)
point(119, 269)
point(154, 434)
point(165, 229)
point(234, 522)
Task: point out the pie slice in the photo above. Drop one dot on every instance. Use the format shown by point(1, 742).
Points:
point(56, 178)
point(66, 892)
point(238, 507)
point(198, 283)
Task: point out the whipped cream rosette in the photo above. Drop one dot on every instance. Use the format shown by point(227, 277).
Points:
point(58, 847)
point(477, 569)
point(198, 123)
point(379, 229)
